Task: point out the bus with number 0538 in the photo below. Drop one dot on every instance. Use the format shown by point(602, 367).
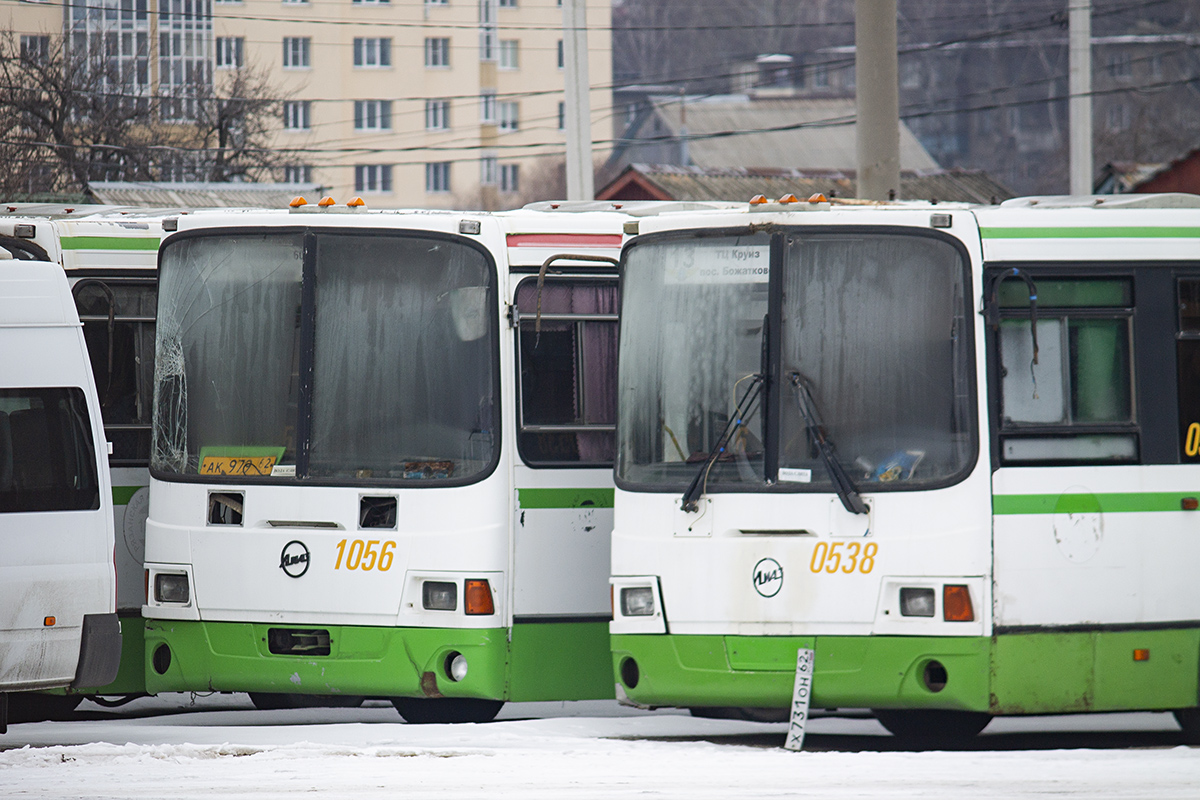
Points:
point(381, 457)
point(953, 450)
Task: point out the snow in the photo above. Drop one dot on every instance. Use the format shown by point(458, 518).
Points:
point(175, 746)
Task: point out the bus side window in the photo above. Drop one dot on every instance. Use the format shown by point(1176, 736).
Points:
point(118, 326)
point(568, 374)
point(1187, 349)
point(1075, 404)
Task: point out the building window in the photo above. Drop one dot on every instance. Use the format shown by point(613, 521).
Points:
point(562, 115)
point(1119, 66)
point(1076, 402)
point(373, 178)
point(508, 3)
point(487, 30)
point(508, 113)
point(295, 2)
point(437, 51)
point(1118, 117)
point(820, 76)
point(370, 2)
point(1156, 66)
point(437, 115)
point(487, 107)
point(372, 52)
point(372, 115)
point(229, 51)
point(35, 49)
point(295, 51)
point(296, 115)
point(561, 61)
point(568, 397)
point(297, 173)
point(488, 171)
point(910, 75)
point(509, 54)
point(510, 175)
point(437, 177)
point(437, 2)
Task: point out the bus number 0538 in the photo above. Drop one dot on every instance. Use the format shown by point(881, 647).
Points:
point(364, 556)
point(831, 558)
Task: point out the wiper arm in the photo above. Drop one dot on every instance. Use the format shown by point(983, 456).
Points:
point(846, 490)
point(691, 498)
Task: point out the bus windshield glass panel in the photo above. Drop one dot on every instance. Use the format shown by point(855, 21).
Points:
point(396, 331)
point(871, 355)
point(47, 456)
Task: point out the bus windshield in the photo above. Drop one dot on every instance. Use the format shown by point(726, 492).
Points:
point(336, 356)
point(871, 355)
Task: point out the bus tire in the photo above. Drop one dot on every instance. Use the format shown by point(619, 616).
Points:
point(274, 701)
point(37, 707)
point(1189, 721)
point(422, 710)
point(921, 727)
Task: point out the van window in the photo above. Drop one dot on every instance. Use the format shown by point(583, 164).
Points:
point(47, 455)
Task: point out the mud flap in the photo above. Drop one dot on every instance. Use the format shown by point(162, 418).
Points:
point(99, 651)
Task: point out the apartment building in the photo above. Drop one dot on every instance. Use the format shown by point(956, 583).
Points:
point(407, 103)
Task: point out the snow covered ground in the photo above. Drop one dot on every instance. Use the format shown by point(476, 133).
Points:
point(220, 747)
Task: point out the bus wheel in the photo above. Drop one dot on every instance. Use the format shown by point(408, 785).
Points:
point(932, 727)
point(272, 701)
point(420, 710)
point(1189, 720)
point(35, 707)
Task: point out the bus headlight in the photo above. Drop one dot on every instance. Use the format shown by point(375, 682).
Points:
point(637, 601)
point(456, 667)
point(439, 595)
point(916, 602)
point(171, 588)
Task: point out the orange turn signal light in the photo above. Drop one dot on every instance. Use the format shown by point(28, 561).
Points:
point(478, 597)
point(956, 604)
point(50, 622)
point(1141, 654)
point(297, 202)
point(1189, 504)
point(325, 202)
point(758, 200)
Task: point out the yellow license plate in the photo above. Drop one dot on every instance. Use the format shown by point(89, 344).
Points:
point(237, 465)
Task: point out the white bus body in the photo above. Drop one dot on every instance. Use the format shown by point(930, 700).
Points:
point(58, 622)
point(1026, 532)
point(431, 513)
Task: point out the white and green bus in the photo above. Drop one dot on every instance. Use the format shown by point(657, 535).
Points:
point(109, 255)
point(381, 462)
point(953, 450)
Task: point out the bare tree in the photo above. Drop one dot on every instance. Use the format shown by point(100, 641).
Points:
point(69, 117)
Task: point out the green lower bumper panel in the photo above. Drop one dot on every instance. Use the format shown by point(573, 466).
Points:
point(349, 660)
point(1020, 673)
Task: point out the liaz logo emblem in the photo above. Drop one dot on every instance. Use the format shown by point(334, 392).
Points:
point(768, 577)
point(294, 559)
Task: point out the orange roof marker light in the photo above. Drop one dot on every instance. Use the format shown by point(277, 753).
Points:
point(788, 198)
point(356, 202)
point(758, 200)
point(325, 202)
point(817, 198)
point(297, 202)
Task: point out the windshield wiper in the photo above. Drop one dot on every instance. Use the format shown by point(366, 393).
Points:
point(845, 487)
point(691, 498)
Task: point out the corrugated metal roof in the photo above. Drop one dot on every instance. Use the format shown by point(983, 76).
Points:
point(203, 195)
point(792, 132)
point(740, 184)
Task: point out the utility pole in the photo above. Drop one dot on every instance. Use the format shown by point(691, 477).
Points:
point(878, 99)
point(577, 107)
point(1079, 22)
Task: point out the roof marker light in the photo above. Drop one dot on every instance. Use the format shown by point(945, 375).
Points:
point(816, 198)
point(789, 198)
point(325, 202)
point(758, 200)
point(297, 202)
point(356, 202)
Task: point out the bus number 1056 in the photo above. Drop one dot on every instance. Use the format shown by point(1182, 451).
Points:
point(363, 555)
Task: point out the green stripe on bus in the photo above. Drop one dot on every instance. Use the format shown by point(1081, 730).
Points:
point(109, 243)
point(1163, 232)
point(122, 494)
point(565, 498)
point(1077, 503)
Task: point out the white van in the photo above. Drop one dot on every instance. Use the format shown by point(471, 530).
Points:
point(58, 621)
